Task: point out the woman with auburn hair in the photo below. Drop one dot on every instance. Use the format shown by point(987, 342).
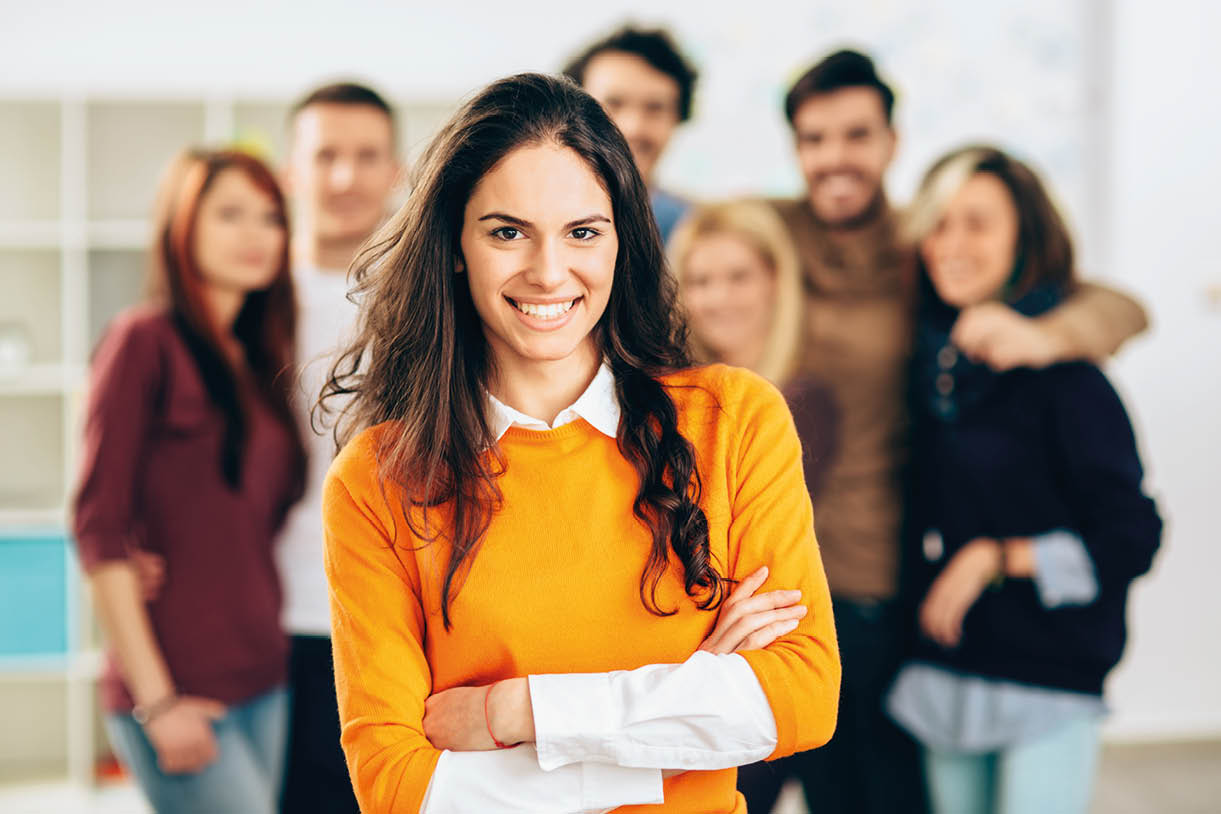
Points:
point(739, 281)
point(1027, 517)
point(191, 453)
point(547, 534)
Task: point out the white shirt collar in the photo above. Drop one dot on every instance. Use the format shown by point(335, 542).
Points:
point(598, 405)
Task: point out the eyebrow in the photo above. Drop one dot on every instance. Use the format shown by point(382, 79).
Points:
point(585, 221)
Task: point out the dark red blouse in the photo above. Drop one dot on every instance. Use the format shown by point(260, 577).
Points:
point(151, 479)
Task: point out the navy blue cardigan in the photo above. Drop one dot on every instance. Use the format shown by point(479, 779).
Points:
point(1035, 451)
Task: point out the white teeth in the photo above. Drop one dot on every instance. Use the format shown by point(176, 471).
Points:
point(547, 311)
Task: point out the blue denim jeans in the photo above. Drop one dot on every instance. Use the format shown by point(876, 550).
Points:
point(1050, 775)
point(244, 778)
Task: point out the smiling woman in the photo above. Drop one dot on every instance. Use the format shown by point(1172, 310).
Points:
point(192, 455)
point(534, 536)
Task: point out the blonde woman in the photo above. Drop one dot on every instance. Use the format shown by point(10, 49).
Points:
point(740, 285)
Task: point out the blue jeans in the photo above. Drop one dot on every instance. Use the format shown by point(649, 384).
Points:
point(1051, 775)
point(244, 778)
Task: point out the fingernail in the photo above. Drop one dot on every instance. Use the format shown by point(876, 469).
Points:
point(790, 625)
point(802, 610)
point(762, 571)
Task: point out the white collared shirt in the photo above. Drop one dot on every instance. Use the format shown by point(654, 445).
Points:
point(603, 739)
point(598, 405)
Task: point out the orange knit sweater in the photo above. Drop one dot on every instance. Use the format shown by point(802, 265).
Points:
point(554, 587)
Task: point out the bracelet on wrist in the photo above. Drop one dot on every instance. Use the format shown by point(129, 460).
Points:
point(1002, 570)
point(487, 718)
point(143, 714)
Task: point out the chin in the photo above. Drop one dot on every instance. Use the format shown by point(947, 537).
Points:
point(956, 299)
point(349, 228)
point(842, 212)
point(546, 354)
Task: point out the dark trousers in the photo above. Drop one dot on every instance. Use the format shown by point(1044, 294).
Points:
point(316, 775)
point(870, 766)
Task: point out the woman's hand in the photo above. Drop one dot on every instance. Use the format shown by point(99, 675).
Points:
point(750, 622)
point(957, 588)
point(150, 573)
point(455, 719)
point(182, 736)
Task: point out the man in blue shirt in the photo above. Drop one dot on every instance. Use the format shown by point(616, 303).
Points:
point(645, 85)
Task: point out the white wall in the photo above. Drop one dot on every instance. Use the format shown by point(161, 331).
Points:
point(1165, 222)
point(1001, 70)
point(1024, 73)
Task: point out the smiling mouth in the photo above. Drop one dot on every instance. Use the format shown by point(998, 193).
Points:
point(550, 310)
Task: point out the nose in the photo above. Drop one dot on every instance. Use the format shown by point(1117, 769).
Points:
point(342, 174)
point(548, 267)
point(630, 121)
point(835, 152)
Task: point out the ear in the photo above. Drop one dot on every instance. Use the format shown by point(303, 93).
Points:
point(894, 146)
point(461, 267)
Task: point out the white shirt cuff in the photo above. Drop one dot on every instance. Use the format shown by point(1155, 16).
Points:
point(509, 781)
point(707, 713)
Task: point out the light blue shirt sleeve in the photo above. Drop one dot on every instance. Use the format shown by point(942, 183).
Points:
point(1064, 573)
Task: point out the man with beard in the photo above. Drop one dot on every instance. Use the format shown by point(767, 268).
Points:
point(860, 309)
point(646, 86)
point(342, 167)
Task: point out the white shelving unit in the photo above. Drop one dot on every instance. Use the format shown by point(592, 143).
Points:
point(77, 179)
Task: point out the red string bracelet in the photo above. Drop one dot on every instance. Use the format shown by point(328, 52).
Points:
point(487, 720)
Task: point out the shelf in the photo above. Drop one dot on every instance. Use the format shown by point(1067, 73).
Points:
point(30, 234)
point(30, 308)
point(33, 521)
point(29, 160)
point(130, 144)
point(85, 665)
point(122, 233)
point(32, 446)
point(42, 380)
point(116, 281)
point(262, 128)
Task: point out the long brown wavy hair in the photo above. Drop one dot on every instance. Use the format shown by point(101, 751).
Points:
point(421, 360)
point(266, 324)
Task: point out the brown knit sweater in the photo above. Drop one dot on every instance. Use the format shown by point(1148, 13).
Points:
point(860, 296)
point(859, 293)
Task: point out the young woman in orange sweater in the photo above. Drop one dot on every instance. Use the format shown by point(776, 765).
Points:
point(546, 537)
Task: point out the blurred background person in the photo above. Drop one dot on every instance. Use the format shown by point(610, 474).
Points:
point(1027, 497)
point(340, 173)
point(191, 452)
point(740, 288)
point(646, 86)
point(859, 282)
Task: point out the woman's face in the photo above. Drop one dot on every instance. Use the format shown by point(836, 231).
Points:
point(729, 291)
point(239, 234)
point(538, 248)
point(970, 253)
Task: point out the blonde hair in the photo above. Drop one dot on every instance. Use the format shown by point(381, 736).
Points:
point(758, 225)
point(939, 185)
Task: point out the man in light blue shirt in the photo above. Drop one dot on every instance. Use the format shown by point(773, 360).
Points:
point(645, 85)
